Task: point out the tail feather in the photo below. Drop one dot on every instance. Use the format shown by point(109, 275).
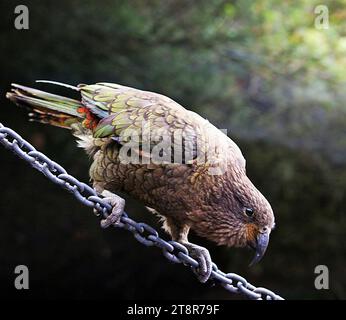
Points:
point(46, 107)
point(38, 98)
point(54, 120)
point(59, 84)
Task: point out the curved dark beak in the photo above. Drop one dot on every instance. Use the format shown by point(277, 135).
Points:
point(260, 246)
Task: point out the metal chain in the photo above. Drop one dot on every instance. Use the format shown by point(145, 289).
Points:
point(145, 234)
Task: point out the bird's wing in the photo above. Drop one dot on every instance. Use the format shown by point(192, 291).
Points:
point(129, 110)
point(122, 108)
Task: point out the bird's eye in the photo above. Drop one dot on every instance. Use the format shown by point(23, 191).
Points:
point(249, 212)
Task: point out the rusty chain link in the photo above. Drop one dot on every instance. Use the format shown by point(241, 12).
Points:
point(145, 234)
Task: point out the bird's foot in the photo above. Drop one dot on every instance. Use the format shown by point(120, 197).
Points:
point(202, 256)
point(118, 205)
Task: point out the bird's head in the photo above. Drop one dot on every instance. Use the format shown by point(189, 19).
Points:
point(239, 217)
point(253, 217)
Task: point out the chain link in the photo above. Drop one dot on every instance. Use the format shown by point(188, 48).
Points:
point(145, 234)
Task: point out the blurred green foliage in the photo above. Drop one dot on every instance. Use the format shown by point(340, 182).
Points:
point(259, 68)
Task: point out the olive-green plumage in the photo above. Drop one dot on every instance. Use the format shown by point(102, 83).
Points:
point(207, 192)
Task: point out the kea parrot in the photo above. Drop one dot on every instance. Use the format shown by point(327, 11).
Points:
point(175, 162)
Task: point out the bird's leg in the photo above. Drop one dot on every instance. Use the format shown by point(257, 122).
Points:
point(117, 203)
point(202, 256)
point(179, 233)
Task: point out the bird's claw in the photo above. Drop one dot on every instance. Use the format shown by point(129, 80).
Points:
point(203, 258)
point(118, 205)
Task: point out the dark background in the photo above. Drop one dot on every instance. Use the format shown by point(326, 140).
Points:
point(258, 68)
